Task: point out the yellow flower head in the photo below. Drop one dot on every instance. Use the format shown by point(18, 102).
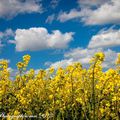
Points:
point(16, 112)
point(100, 56)
point(26, 58)
point(4, 64)
point(20, 65)
point(51, 70)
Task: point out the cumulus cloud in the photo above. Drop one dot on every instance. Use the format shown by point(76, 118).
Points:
point(81, 55)
point(105, 13)
point(76, 55)
point(39, 39)
point(11, 8)
point(84, 55)
point(105, 38)
point(100, 42)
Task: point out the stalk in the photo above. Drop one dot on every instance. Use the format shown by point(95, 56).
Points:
point(93, 90)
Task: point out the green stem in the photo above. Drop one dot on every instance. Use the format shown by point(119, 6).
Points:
point(93, 90)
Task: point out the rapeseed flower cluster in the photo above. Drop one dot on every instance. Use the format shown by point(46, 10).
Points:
point(72, 93)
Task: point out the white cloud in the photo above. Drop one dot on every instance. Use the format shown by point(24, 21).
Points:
point(7, 34)
point(91, 3)
point(105, 13)
point(50, 18)
point(81, 55)
point(11, 8)
point(98, 43)
point(110, 57)
point(39, 38)
point(63, 63)
point(84, 55)
point(65, 16)
point(105, 38)
point(76, 55)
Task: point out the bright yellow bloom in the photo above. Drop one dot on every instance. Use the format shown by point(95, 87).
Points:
point(51, 70)
point(16, 112)
point(20, 65)
point(100, 56)
point(50, 96)
point(26, 58)
point(69, 92)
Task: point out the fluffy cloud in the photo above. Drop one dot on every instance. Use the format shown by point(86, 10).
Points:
point(98, 43)
point(10, 8)
point(105, 38)
point(105, 13)
point(39, 38)
point(65, 16)
point(84, 55)
point(7, 34)
point(81, 55)
point(110, 57)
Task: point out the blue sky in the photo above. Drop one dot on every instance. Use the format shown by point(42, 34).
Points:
point(57, 32)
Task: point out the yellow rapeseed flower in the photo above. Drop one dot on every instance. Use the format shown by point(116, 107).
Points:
point(100, 56)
